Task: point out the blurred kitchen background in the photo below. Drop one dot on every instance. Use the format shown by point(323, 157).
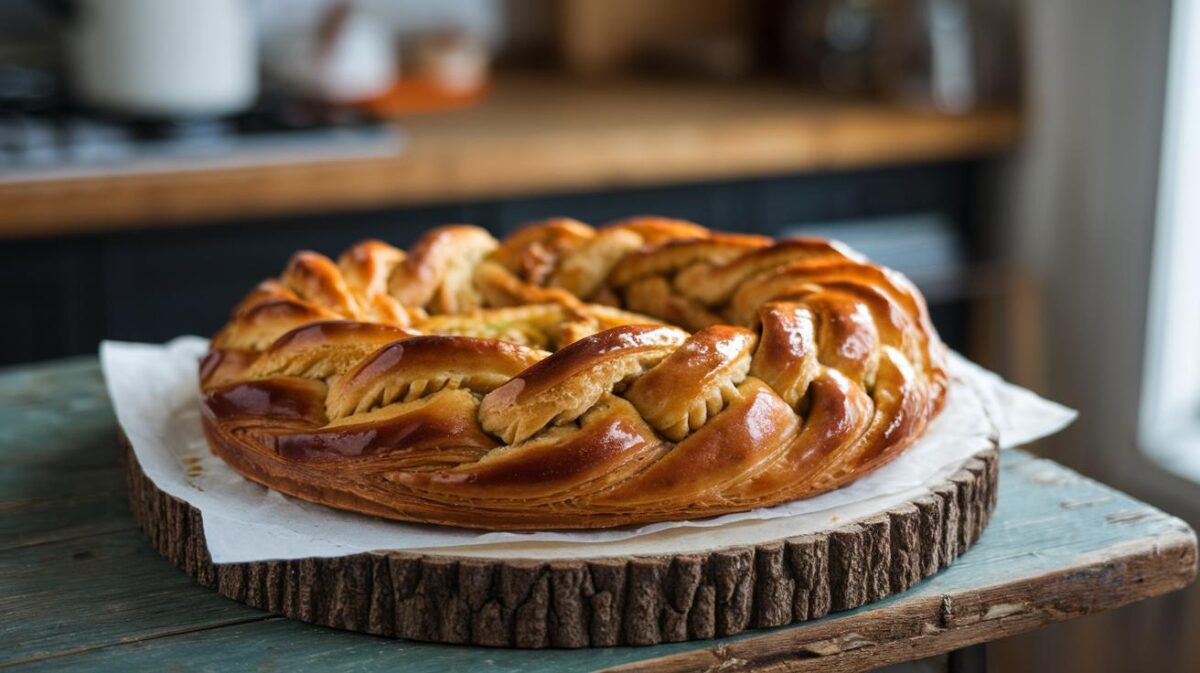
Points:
point(1025, 162)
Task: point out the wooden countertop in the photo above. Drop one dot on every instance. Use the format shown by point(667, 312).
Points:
point(533, 135)
point(82, 589)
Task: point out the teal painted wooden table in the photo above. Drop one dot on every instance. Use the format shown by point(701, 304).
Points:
point(80, 589)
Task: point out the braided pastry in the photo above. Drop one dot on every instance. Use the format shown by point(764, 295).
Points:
point(571, 377)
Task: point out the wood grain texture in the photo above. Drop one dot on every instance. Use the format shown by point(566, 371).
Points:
point(931, 626)
point(639, 600)
point(82, 591)
point(76, 594)
point(39, 479)
point(535, 135)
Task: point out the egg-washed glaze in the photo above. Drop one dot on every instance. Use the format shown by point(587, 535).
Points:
point(570, 377)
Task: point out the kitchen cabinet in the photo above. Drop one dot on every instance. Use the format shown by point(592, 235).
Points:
point(64, 295)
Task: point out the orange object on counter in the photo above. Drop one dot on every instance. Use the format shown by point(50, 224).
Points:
point(418, 95)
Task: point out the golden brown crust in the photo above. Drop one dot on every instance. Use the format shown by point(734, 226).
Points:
point(412, 368)
point(533, 251)
point(436, 273)
point(470, 382)
point(694, 382)
point(323, 349)
point(366, 268)
point(562, 387)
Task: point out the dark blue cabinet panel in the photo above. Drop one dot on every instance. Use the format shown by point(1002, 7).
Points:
point(161, 284)
point(941, 188)
point(53, 304)
point(714, 205)
point(62, 297)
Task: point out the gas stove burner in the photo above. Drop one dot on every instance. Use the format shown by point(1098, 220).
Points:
point(182, 129)
point(60, 140)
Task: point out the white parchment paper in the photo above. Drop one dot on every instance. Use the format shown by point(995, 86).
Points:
point(154, 390)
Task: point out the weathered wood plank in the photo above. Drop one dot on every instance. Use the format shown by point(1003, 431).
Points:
point(53, 412)
point(99, 590)
point(1043, 558)
point(47, 504)
point(907, 628)
point(58, 473)
point(1058, 546)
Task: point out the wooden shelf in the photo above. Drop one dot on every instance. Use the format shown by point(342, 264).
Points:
point(534, 135)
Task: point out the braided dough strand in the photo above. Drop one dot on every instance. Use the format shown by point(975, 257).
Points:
point(571, 377)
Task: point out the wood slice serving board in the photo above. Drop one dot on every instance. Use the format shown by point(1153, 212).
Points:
point(593, 602)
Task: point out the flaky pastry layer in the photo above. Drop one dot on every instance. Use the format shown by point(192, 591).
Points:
point(571, 377)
